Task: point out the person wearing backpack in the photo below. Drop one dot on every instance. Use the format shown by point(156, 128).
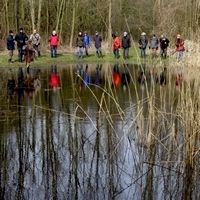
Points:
point(143, 44)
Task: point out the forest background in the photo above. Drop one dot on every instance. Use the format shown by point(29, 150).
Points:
point(68, 17)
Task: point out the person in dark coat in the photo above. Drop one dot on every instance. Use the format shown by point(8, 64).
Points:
point(164, 43)
point(153, 45)
point(10, 45)
point(21, 39)
point(143, 44)
point(97, 43)
point(126, 44)
point(80, 45)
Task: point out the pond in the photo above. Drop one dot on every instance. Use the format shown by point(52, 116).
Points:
point(98, 131)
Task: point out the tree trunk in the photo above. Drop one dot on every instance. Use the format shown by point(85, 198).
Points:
point(32, 11)
point(39, 14)
point(17, 3)
point(109, 23)
point(72, 24)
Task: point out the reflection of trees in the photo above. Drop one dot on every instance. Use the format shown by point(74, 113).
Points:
point(104, 143)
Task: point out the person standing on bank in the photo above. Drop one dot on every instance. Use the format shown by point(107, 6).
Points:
point(153, 45)
point(116, 45)
point(179, 47)
point(10, 45)
point(21, 39)
point(126, 44)
point(143, 44)
point(35, 39)
point(97, 43)
point(86, 39)
point(54, 41)
point(80, 45)
point(164, 43)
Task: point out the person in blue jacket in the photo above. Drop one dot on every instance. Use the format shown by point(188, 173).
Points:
point(10, 45)
point(86, 39)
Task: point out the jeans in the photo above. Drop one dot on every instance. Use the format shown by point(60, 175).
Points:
point(163, 53)
point(53, 51)
point(125, 53)
point(20, 53)
point(99, 52)
point(179, 55)
point(143, 53)
point(116, 53)
point(80, 52)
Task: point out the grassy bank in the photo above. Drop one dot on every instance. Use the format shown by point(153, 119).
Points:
point(69, 57)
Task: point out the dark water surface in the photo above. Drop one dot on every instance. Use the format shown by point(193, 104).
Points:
point(96, 131)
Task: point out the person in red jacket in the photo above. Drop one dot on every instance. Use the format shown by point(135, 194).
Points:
point(179, 47)
point(116, 45)
point(53, 40)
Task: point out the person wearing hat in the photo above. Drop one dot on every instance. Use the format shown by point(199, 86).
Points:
point(179, 47)
point(10, 45)
point(126, 44)
point(143, 44)
point(53, 40)
point(21, 39)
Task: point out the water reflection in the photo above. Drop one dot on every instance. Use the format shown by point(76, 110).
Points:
point(66, 143)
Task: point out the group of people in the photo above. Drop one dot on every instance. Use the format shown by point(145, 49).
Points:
point(29, 47)
point(163, 43)
point(83, 43)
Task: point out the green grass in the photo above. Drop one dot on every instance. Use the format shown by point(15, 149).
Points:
point(64, 58)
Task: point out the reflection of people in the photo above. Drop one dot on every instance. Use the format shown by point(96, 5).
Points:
point(141, 77)
point(116, 75)
point(125, 79)
point(163, 77)
point(28, 85)
point(178, 80)
point(98, 74)
point(86, 78)
point(10, 45)
point(20, 83)
point(36, 82)
point(21, 39)
point(54, 80)
point(11, 85)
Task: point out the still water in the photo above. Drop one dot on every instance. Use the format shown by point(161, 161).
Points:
point(95, 131)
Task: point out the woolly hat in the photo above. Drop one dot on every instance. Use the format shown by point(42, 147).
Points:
point(143, 33)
